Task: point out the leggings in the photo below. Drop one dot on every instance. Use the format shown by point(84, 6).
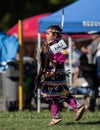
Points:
point(70, 100)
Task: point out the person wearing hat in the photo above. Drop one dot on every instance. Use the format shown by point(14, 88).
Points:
point(52, 75)
point(94, 52)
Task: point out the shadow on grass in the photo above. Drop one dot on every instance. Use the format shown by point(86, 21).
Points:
point(85, 123)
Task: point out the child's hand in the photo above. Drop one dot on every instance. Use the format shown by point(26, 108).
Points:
point(64, 52)
point(43, 94)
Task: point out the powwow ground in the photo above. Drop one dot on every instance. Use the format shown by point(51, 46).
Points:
point(31, 120)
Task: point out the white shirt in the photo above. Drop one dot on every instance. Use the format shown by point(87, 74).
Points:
point(98, 50)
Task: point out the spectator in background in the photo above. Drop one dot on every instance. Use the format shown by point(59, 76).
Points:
point(86, 68)
point(76, 54)
point(84, 83)
point(93, 50)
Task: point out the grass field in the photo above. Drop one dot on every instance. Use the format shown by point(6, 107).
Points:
point(31, 120)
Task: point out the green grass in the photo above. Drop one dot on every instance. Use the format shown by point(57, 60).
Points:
point(31, 120)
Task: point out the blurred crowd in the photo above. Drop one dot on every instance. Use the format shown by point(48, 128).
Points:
point(86, 69)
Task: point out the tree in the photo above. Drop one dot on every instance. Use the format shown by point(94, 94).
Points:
point(14, 10)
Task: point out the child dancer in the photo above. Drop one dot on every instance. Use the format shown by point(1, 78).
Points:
point(52, 75)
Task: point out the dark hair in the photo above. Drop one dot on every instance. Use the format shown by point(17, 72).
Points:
point(56, 29)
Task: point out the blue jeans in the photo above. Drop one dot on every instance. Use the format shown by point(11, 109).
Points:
point(82, 90)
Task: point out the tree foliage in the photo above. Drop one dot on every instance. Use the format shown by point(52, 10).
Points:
point(13, 10)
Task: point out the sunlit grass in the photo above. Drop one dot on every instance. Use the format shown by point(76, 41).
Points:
point(31, 120)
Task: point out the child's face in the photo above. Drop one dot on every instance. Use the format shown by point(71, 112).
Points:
point(49, 35)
